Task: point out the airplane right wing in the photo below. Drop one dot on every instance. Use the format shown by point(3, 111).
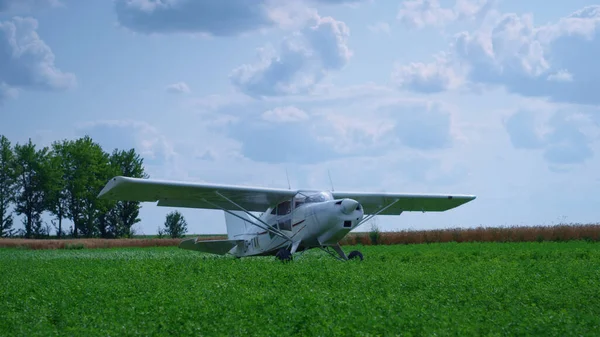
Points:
point(194, 195)
point(397, 203)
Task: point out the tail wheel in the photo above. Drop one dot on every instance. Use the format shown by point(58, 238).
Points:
point(354, 254)
point(284, 255)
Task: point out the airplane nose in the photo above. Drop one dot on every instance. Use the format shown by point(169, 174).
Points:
point(349, 206)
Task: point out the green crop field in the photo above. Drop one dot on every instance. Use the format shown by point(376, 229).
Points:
point(544, 289)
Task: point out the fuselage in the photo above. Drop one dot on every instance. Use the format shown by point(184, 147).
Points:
point(314, 219)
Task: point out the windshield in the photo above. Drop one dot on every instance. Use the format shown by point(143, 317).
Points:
point(318, 197)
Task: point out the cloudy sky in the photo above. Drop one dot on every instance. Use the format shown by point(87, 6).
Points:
point(494, 98)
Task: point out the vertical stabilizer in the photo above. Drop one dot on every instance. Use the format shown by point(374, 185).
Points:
point(235, 225)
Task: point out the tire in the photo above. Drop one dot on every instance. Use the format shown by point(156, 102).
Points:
point(354, 254)
point(283, 255)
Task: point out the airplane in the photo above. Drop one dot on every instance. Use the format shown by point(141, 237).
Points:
point(292, 220)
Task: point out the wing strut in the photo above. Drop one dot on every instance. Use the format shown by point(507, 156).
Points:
point(371, 216)
point(272, 230)
point(275, 231)
point(266, 226)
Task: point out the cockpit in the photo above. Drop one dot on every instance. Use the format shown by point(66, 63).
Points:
point(316, 197)
point(300, 199)
point(311, 197)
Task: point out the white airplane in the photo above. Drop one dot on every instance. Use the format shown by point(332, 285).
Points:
point(294, 220)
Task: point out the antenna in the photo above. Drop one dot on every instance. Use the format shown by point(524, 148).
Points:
point(288, 179)
point(330, 181)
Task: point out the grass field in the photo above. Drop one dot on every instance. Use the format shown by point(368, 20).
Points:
point(544, 289)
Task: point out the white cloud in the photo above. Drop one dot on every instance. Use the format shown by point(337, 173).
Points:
point(431, 77)
point(284, 114)
point(557, 61)
point(367, 125)
point(561, 76)
point(178, 88)
point(216, 18)
point(423, 13)
point(197, 16)
point(26, 62)
point(304, 59)
point(472, 9)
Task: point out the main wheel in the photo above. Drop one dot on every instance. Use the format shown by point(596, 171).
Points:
point(355, 253)
point(284, 255)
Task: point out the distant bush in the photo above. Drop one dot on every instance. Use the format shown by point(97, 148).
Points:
point(77, 245)
point(175, 225)
point(374, 234)
point(160, 233)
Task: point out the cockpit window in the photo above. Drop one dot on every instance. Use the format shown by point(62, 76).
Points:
point(283, 208)
point(318, 197)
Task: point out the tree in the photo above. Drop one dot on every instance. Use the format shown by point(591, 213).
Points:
point(65, 180)
point(175, 225)
point(124, 214)
point(31, 182)
point(56, 183)
point(87, 170)
point(7, 186)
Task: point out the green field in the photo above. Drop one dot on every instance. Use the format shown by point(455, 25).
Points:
point(544, 289)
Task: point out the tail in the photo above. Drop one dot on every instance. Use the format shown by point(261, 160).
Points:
point(235, 225)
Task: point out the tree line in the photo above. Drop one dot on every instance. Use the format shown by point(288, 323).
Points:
point(64, 179)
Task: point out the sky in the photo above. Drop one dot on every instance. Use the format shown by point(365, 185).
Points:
point(496, 98)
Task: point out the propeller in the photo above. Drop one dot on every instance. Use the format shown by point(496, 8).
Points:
point(349, 205)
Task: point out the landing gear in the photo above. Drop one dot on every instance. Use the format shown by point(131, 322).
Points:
point(284, 255)
point(341, 255)
point(354, 254)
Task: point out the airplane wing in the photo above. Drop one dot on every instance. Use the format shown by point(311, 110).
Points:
point(193, 195)
point(373, 202)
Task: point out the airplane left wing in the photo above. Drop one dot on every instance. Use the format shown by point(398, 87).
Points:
point(193, 195)
point(397, 203)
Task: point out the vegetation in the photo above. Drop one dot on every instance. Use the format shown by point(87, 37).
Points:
point(175, 225)
point(89, 243)
point(562, 232)
point(63, 180)
point(545, 289)
point(558, 233)
point(375, 233)
point(7, 186)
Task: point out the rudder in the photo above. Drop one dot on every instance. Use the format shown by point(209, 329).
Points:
point(236, 226)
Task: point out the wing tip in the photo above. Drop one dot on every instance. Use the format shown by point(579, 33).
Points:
point(112, 183)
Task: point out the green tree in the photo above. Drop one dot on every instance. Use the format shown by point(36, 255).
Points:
point(56, 183)
point(87, 170)
point(175, 225)
point(31, 183)
point(124, 214)
point(7, 186)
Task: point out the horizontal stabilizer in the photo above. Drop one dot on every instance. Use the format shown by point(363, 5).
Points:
point(220, 247)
